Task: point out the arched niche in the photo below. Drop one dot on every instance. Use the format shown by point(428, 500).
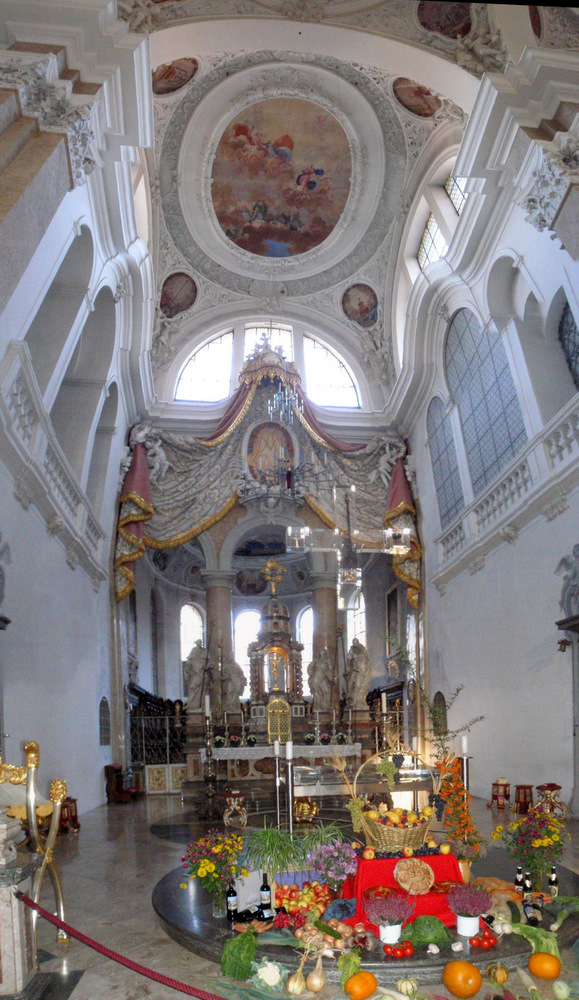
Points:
point(551, 381)
point(101, 449)
point(50, 328)
point(75, 407)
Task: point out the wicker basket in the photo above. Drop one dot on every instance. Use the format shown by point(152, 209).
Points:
point(392, 838)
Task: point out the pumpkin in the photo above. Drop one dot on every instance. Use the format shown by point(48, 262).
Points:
point(497, 973)
point(361, 985)
point(461, 978)
point(407, 985)
point(544, 965)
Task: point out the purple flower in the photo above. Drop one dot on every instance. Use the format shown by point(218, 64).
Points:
point(469, 900)
point(393, 909)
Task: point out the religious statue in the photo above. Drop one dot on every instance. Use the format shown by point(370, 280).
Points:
point(233, 682)
point(197, 672)
point(357, 675)
point(321, 677)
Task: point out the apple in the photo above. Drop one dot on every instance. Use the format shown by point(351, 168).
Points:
point(306, 885)
point(356, 845)
point(444, 848)
point(407, 851)
point(368, 853)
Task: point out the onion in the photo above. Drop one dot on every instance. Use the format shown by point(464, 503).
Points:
point(342, 928)
point(359, 928)
point(316, 981)
point(333, 922)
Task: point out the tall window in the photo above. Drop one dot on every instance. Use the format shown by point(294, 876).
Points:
point(305, 632)
point(433, 246)
point(444, 462)
point(206, 376)
point(329, 382)
point(455, 188)
point(569, 340)
point(191, 628)
point(480, 380)
point(279, 337)
point(246, 627)
point(357, 620)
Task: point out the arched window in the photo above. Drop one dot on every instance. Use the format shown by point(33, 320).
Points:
point(279, 336)
point(328, 381)
point(104, 723)
point(357, 620)
point(569, 340)
point(480, 380)
point(191, 628)
point(206, 375)
point(245, 629)
point(305, 632)
point(444, 462)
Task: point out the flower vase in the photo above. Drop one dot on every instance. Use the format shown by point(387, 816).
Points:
point(390, 933)
point(467, 926)
point(537, 878)
point(218, 905)
point(465, 870)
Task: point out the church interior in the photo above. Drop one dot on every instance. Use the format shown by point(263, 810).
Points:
point(289, 420)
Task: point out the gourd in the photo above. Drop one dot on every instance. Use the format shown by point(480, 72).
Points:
point(497, 973)
point(407, 985)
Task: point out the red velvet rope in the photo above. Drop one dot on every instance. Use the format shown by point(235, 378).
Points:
point(173, 984)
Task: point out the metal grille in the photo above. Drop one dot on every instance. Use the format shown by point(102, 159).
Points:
point(569, 340)
point(432, 245)
point(157, 739)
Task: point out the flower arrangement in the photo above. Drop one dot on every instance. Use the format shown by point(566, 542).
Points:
point(388, 910)
point(325, 738)
point(235, 740)
point(214, 860)
point(334, 862)
point(251, 740)
point(219, 741)
point(341, 738)
point(309, 738)
point(469, 900)
point(467, 843)
point(536, 840)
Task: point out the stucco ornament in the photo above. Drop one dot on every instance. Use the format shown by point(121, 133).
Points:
point(569, 567)
point(558, 168)
point(560, 28)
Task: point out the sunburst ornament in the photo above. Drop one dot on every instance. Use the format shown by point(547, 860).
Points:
point(274, 573)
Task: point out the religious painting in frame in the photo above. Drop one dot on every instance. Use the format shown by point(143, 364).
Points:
point(170, 77)
point(360, 304)
point(281, 177)
point(270, 452)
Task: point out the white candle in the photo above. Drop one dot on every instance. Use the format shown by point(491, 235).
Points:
point(383, 701)
point(334, 716)
point(414, 744)
point(464, 744)
point(225, 717)
point(276, 748)
point(289, 750)
point(349, 715)
point(207, 706)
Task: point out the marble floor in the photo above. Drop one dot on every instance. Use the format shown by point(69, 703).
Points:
point(109, 870)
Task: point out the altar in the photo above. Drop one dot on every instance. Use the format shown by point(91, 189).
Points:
point(250, 763)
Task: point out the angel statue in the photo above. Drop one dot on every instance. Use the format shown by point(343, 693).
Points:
point(570, 590)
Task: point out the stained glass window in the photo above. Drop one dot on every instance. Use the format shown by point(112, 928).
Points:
point(480, 380)
point(444, 462)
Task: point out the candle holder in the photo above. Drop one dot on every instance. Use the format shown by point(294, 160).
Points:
point(243, 730)
point(226, 732)
point(317, 730)
point(209, 809)
point(334, 730)
point(384, 739)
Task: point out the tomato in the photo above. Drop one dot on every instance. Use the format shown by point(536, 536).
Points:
point(474, 941)
point(404, 944)
point(398, 952)
point(544, 966)
point(388, 949)
point(487, 931)
point(493, 940)
point(408, 949)
point(486, 943)
point(461, 978)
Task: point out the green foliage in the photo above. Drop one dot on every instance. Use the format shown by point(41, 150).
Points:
point(276, 851)
point(238, 955)
point(436, 729)
point(539, 939)
point(349, 963)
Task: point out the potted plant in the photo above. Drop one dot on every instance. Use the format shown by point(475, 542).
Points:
point(536, 840)
point(388, 912)
point(309, 738)
point(468, 902)
point(277, 851)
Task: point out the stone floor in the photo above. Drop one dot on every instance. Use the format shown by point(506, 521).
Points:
point(109, 871)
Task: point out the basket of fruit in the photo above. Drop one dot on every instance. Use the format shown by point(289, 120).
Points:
point(386, 828)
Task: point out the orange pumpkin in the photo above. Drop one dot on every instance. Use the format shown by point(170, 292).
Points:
point(361, 985)
point(461, 978)
point(543, 965)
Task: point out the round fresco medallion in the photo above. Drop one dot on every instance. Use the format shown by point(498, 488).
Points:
point(281, 177)
point(250, 582)
point(178, 293)
point(360, 304)
point(535, 16)
point(270, 451)
point(416, 98)
point(448, 19)
point(170, 77)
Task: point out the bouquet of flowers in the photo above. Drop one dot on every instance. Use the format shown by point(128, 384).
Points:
point(536, 840)
point(251, 740)
point(325, 738)
point(219, 741)
point(341, 738)
point(214, 860)
point(469, 900)
point(234, 740)
point(388, 910)
point(309, 738)
point(334, 862)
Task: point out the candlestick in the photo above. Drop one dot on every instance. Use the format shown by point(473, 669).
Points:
point(276, 748)
point(383, 702)
point(414, 744)
point(289, 750)
point(464, 746)
point(207, 706)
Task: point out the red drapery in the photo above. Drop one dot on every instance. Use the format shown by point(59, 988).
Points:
point(136, 508)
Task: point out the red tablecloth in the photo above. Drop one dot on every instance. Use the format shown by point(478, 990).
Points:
point(380, 871)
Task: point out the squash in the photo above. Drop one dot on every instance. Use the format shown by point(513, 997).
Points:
point(497, 973)
point(407, 985)
point(361, 985)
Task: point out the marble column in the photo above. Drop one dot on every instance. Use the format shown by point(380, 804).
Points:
point(218, 586)
point(325, 608)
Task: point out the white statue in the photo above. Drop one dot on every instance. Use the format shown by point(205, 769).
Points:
point(196, 666)
point(358, 675)
point(320, 677)
point(234, 681)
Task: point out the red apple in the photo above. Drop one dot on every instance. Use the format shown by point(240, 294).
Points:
point(368, 853)
point(407, 851)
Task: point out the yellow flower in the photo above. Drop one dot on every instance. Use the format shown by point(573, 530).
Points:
point(209, 866)
point(556, 836)
point(183, 885)
point(498, 829)
point(244, 872)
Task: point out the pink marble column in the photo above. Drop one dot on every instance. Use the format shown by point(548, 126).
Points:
point(218, 585)
point(325, 608)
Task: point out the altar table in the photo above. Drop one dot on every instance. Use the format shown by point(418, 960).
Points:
point(380, 872)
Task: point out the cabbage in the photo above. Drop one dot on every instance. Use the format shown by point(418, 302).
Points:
point(427, 930)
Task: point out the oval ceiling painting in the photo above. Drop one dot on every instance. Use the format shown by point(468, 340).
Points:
point(178, 293)
point(360, 304)
point(416, 98)
point(281, 177)
point(170, 77)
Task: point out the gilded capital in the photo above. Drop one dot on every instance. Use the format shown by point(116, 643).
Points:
point(57, 791)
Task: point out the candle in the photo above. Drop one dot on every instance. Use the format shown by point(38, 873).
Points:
point(464, 744)
point(414, 744)
point(383, 701)
point(276, 748)
point(225, 718)
point(317, 717)
point(334, 716)
point(289, 750)
point(207, 706)
point(349, 715)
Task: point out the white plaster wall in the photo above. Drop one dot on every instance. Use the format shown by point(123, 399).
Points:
point(54, 656)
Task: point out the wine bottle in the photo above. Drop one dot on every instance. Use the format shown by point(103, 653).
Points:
point(265, 894)
point(553, 882)
point(231, 900)
point(527, 888)
point(519, 880)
